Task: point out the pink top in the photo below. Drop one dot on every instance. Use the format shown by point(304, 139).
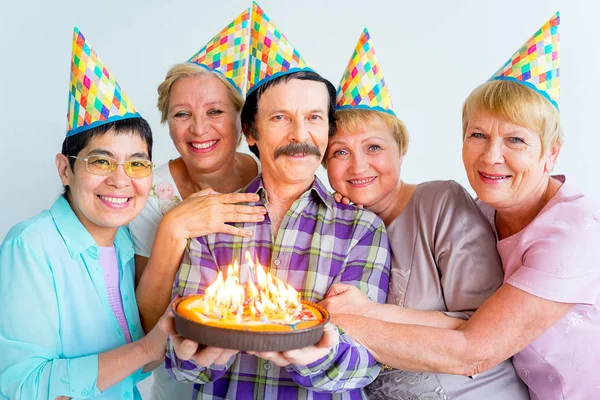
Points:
point(112, 279)
point(556, 258)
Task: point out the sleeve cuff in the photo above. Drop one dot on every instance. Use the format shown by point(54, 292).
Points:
point(318, 366)
point(83, 377)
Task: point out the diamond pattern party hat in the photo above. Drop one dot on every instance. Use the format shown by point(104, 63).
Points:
point(227, 52)
point(362, 85)
point(271, 53)
point(537, 63)
point(95, 97)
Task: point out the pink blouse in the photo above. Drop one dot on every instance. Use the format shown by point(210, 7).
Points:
point(555, 257)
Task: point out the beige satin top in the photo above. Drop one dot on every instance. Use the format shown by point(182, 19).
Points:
point(444, 258)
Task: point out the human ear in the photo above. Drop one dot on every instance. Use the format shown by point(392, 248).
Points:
point(63, 167)
point(552, 156)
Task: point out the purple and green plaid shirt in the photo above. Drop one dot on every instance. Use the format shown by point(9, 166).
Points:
point(320, 242)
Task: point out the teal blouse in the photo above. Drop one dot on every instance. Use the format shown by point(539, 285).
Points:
point(55, 317)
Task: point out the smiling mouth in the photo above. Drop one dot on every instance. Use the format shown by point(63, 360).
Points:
point(117, 201)
point(203, 145)
point(494, 177)
point(362, 181)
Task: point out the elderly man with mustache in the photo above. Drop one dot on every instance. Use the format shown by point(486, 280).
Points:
point(306, 239)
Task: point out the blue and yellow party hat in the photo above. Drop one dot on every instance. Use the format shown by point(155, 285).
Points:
point(271, 53)
point(227, 52)
point(362, 85)
point(537, 63)
point(95, 97)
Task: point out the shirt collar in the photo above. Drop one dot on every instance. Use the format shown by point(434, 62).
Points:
point(77, 239)
point(316, 190)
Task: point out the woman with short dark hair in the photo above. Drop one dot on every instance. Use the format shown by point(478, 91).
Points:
point(70, 326)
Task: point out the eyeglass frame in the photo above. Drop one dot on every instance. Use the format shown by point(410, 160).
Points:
point(151, 165)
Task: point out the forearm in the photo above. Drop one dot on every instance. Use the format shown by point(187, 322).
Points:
point(401, 315)
point(153, 292)
point(117, 364)
point(348, 366)
point(415, 347)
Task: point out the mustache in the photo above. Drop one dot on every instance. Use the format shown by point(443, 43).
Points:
point(296, 148)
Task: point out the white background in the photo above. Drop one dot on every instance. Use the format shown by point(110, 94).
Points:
point(432, 53)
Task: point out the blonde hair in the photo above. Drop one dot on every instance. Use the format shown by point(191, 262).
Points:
point(185, 70)
point(355, 119)
point(519, 105)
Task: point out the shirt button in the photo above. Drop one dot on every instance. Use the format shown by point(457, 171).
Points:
point(277, 262)
point(125, 297)
point(127, 394)
point(84, 393)
point(267, 366)
point(133, 328)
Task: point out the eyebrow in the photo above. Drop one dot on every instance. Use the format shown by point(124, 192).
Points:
point(211, 103)
point(362, 141)
point(103, 152)
point(337, 142)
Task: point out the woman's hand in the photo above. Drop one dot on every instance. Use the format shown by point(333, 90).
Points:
point(207, 212)
point(154, 344)
point(347, 299)
point(340, 198)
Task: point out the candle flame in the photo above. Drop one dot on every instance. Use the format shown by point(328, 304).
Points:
point(265, 297)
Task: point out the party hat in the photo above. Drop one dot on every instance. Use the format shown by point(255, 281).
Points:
point(362, 85)
point(95, 97)
point(537, 63)
point(271, 53)
point(227, 52)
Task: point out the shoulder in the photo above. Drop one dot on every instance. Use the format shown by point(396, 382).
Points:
point(361, 219)
point(440, 192)
point(33, 231)
point(445, 198)
point(558, 259)
point(569, 221)
point(30, 245)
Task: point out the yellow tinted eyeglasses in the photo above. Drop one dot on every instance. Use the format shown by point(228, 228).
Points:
point(103, 166)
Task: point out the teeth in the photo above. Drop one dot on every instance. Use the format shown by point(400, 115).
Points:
point(115, 200)
point(204, 145)
point(361, 181)
point(494, 178)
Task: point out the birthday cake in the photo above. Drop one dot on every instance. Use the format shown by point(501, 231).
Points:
point(262, 306)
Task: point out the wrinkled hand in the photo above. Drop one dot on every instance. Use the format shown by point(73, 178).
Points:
point(207, 212)
point(346, 299)
point(306, 355)
point(340, 198)
point(186, 349)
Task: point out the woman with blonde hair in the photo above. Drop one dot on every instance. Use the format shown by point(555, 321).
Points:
point(444, 263)
point(201, 101)
point(546, 315)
